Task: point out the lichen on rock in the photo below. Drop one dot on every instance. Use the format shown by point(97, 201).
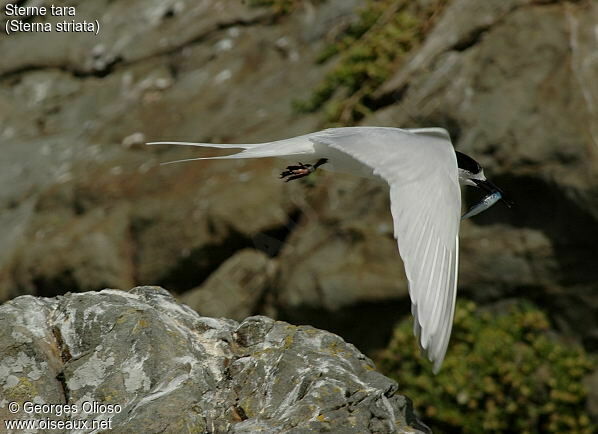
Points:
point(171, 370)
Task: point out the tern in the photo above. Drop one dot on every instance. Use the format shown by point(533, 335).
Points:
point(424, 174)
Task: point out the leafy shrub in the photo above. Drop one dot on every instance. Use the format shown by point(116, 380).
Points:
point(503, 373)
point(369, 51)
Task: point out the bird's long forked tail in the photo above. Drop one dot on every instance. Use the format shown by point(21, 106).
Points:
point(280, 148)
point(244, 147)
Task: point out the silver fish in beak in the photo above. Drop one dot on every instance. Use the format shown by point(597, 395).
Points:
point(486, 203)
point(495, 194)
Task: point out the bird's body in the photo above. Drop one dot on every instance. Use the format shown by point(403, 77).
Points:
point(421, 168)
point(317, 145)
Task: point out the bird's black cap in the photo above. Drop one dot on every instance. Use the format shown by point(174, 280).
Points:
point(467, 163)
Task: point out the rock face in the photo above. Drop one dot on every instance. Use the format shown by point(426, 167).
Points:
point(512, 80)
point(75, 111)
point(171, 370)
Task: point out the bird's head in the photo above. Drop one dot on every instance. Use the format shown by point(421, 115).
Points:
point(471, 173)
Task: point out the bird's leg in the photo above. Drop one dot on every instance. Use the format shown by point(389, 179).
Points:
point(296, 172)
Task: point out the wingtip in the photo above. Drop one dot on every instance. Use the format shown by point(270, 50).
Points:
point(427, 348)
point(436, 360)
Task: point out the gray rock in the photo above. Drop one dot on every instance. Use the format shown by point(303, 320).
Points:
point(99, 237)
point(98, 54)
point(75, 108)
point(344, 246)
point(171, 370)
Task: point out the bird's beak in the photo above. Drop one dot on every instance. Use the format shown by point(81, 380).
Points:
point(492, 188)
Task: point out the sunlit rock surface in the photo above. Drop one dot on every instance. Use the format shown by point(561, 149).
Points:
point(171, 370)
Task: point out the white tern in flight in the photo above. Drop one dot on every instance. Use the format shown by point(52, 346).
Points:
point(423, 172)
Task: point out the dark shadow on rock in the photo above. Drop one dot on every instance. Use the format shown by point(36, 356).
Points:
point(368, 326)
point(544, 206)
point(56, 285)
point(271, 241)
point(541, 205)
point(194, 269)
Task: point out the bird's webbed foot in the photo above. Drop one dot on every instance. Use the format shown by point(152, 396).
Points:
point(301, 170)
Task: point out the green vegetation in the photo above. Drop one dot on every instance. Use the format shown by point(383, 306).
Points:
point(368, 52)
point(503, 373)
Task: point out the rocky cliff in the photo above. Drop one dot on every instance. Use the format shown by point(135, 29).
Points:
point(144, 363)
point(510, 80)
point(84, 205)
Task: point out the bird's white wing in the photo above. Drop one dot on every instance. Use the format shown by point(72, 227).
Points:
point(420, 167)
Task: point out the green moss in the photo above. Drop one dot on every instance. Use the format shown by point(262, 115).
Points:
point(368, 52)
point(289, 341)
point(503, 373)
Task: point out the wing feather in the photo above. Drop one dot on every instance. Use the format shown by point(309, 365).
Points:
point(421, 169)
